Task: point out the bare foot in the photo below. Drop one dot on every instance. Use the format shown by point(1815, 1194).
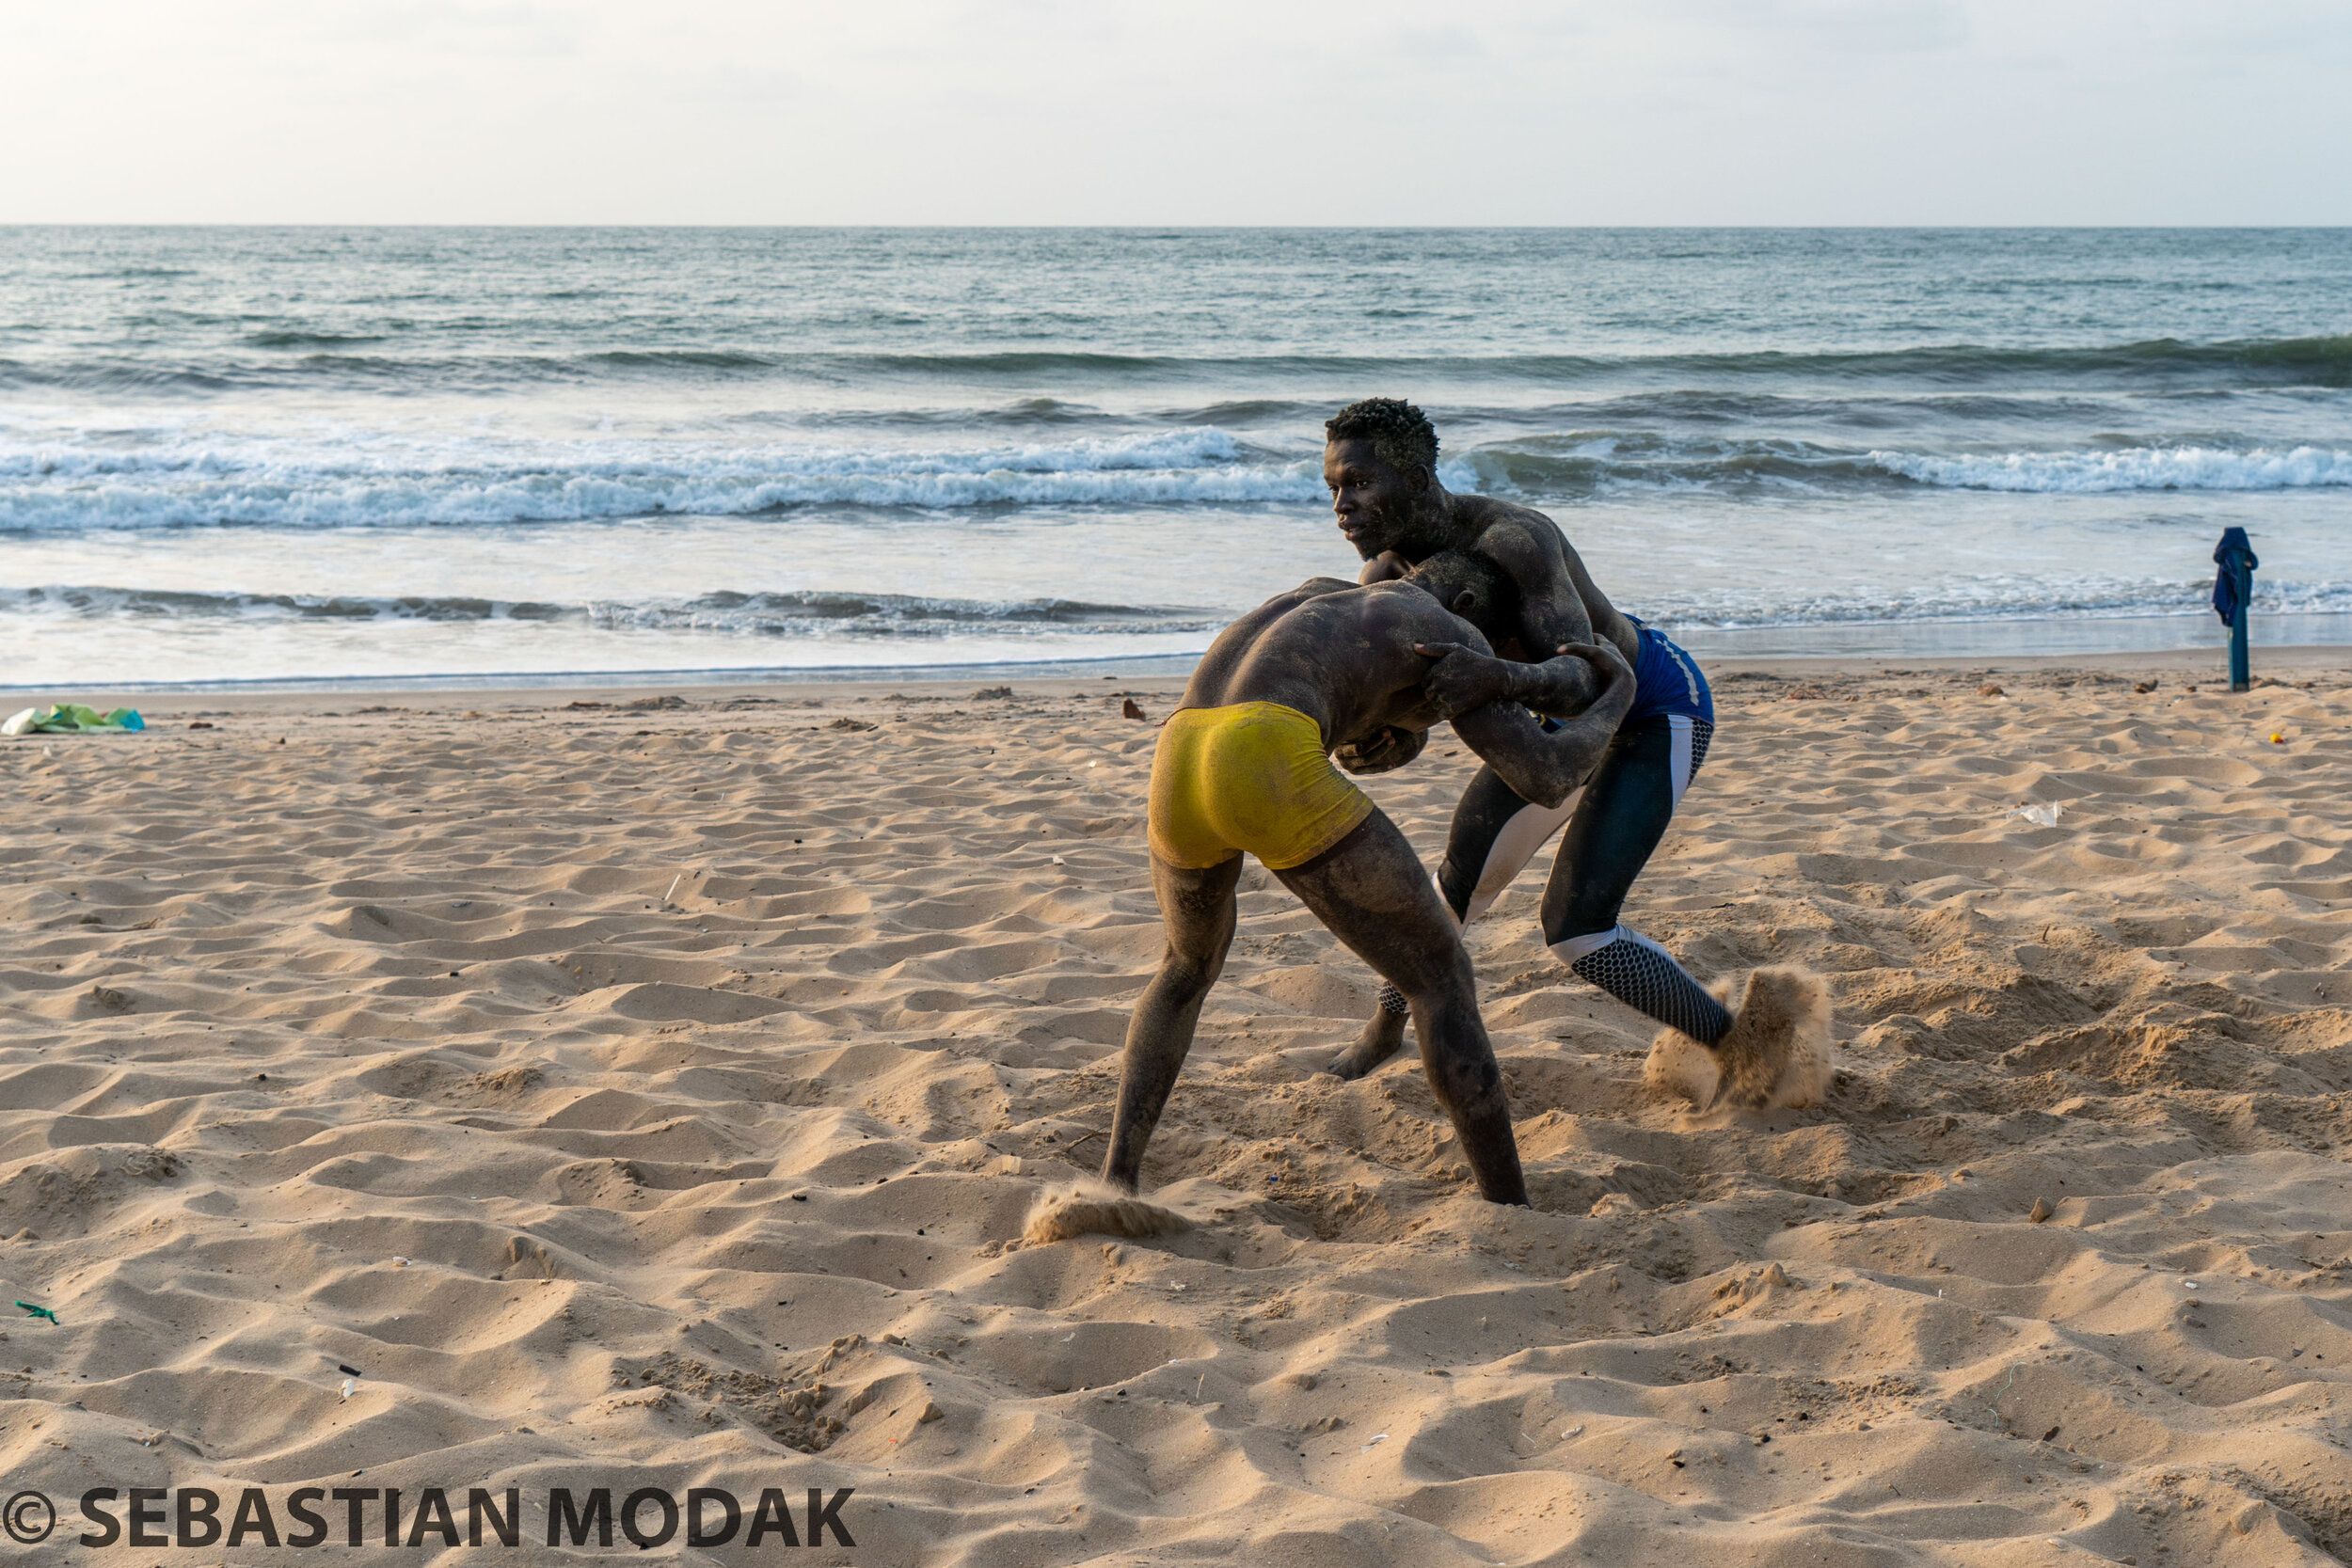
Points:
point(1383, 1037)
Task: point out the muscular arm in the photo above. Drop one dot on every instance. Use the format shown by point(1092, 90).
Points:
point(1391, 746)
point(1546, 767)
point(1560, 686)
point(1558, 604)
point(1551, 615)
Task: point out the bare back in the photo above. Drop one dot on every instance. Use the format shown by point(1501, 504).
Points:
point(1339, 654)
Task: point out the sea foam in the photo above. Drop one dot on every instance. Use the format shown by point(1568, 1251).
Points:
point(198, 478)
point(2128, 469)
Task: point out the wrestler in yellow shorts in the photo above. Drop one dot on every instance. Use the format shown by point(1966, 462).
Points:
point(1250, 777)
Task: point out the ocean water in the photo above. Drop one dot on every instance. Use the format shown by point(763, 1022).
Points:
point(323, 454)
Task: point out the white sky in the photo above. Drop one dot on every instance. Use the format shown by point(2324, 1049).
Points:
point(1177, 111)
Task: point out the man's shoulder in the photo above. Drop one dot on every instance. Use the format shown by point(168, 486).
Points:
point(1396, 608)
point(1310, 591)
point(1515, 537)
point(1319, 608)
point(1391, 596)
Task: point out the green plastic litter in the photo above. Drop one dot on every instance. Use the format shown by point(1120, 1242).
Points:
point(40, 1312)
point(73, 719)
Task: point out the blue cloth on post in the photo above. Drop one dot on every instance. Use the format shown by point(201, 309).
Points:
point(2225, 554)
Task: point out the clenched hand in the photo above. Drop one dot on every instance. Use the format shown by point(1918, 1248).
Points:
point(1463, 678)
point(1389, 747)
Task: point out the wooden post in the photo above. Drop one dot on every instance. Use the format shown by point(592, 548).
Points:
point(2241, 677)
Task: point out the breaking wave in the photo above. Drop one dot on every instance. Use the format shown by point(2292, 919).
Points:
point(2130, 468)
point(189, 481)
point(809, 613)
point(295, 357)
point(1579, 463)
point(71, 486)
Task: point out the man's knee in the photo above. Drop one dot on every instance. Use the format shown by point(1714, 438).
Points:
point(1468, 1077)
point(1189, 973)
point(1446, 980)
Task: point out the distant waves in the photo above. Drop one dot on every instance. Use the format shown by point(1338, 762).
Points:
point(356, 479)
point(415, 361)
point(788, 614)
point(56, 480)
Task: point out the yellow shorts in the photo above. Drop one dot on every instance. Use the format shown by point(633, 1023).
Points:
point(1253, 776)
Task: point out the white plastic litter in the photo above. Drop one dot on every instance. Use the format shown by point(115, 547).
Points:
point(350, 1387)
point(2041, 816)
point(1367, 1448)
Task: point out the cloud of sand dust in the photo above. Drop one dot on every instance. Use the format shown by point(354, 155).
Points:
point(1095, 1209)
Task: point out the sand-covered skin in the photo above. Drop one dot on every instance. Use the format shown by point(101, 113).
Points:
point(728, 1190)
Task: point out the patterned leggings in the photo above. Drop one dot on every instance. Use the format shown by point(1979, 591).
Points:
point(1614, 824)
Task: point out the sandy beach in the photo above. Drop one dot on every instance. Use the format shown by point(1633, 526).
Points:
point(639, 1088)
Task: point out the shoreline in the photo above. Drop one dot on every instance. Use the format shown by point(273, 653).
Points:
point(2098, 642)
point(2196, 666)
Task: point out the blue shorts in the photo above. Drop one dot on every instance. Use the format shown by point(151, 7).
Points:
point(1667, 680)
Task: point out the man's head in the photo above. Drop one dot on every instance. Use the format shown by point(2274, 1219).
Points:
point(1470, 585)
point(1380, 461)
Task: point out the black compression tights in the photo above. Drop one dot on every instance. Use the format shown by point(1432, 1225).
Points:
point(1613, 825)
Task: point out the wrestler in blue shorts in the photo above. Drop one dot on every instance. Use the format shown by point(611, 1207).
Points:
point(1613, 825)
point(1380, 463)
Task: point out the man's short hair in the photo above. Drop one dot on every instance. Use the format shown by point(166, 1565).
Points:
point(1450, 574)
point(1400, 433)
